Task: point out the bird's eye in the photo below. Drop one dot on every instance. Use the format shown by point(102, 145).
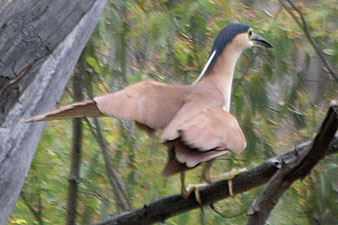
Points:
point(250, 33)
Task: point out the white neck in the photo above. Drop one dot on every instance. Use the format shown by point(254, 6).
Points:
point(221, 74)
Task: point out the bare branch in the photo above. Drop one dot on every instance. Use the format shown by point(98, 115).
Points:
point(169, 206)
point(110, 170)
point(293, 170)
point(36, 213)
point(304, 26)
point(116, 184)
point(74, 175)
point(112, 175)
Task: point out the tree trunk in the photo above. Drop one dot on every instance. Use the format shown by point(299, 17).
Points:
point(75, 166)
point(40, 43)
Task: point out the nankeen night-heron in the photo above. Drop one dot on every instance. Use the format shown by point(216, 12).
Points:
point(195, 119)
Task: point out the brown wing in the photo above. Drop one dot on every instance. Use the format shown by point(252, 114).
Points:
point(200, 135)
point(206, 129)
point(182, 158)
point(75, 110)
point(150, 103)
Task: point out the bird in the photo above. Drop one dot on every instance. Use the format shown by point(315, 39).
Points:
point(195, 119)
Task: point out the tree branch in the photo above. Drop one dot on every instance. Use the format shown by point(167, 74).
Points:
point(110, 170)
point(36, 213)
point(304, 26)
point(169, 206)
point(293, 170)
point(74, 175)
point(112, 175)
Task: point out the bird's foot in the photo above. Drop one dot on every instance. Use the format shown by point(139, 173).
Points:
point(185, 192)
point(228, 176)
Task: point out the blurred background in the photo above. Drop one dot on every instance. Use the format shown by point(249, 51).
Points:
point(280, 97)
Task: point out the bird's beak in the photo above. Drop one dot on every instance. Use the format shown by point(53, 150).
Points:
point(258, 40)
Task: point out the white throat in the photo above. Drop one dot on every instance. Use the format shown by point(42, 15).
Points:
point(222, 72)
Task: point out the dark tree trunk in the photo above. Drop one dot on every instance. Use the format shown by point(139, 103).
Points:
point(40, 42)
point(74, 176)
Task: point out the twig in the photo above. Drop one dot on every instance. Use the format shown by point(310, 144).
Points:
point(304, 26)
point(295, 169)
point(117, 185)
point(111, 172)
point(113, 179)
point(227, 216)
point(36, 213)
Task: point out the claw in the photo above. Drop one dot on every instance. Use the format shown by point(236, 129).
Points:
point(185, 192)
point(192, 188)
point(231, 192)
point(225, 176)
point(231, 175)
point(197, 194)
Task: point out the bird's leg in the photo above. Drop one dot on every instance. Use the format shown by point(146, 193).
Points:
point(206, 172)
point(185, 192)
point(228, 176)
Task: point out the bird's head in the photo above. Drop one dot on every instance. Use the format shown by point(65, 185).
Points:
point(240, 37)
point(235, 37)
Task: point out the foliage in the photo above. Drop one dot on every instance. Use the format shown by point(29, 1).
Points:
point(279, 96)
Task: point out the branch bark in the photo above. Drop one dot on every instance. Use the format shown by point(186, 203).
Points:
point(38, 51)
point(293, 170)
point(169, 206)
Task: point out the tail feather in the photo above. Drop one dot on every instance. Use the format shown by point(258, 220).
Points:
point(173, 166)
point(75, 110)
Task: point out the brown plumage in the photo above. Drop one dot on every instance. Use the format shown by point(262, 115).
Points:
point(195, 119)
point(191, 116)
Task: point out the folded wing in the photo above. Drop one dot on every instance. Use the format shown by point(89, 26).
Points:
point(201, 135)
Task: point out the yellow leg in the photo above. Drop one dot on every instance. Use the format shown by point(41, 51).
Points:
point(224, 176)
point(185, 192)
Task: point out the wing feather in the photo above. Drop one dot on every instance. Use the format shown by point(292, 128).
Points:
point(210, 128)
point(150, 103)
point(198, 134)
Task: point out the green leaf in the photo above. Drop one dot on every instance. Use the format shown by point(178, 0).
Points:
point(329, 52)
point(94, 64)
